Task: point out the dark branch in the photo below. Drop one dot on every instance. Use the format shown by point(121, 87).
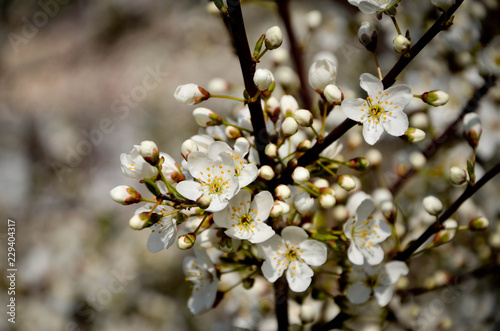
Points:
point(438, 225)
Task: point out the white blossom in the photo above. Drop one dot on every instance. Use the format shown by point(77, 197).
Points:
point(293, 252)
point(134, 166)
point(371, 6)
point(381, 110)
point(163, 233)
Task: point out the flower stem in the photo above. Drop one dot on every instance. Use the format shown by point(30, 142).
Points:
point(375, 58)
point(227, 97)
point(396, 24)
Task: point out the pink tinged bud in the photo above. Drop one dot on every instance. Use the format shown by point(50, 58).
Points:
point(206, 117)
point(186, 241)
point(368, 36)
point(301, 175)
point(266, 172)
point(282, 192)
point(433, 205)
point(126, 195)
point(414, 135)
point(401, 44)
point(346, 182)
point(327, 201)
point(271, 150)
point(435, 98)
point(322, 73)
point(333, 94)
point(232, 132)
point(322, 183)
point(304, 145)
point(188, 147)
point(473, 128)
point(303, 117)
point(143, 220)
point(358, 163)
point(458, 175)
point(150, 152)
point(190, 94)
point(479, 224)
point(289, 127)
point(204, 201)
point(274, 37)
point(263, 79)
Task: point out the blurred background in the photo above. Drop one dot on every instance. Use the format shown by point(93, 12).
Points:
point(80, 83)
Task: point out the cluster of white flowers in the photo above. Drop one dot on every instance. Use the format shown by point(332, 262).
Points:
point(260, 209)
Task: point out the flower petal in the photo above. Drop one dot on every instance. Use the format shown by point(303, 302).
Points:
point(355, 255)
point(158, 241)
point(372, 131)
point(394, 270)
point(365, 209)
point(299, 276)
point(373, 255)
point(348, 226)
point(248, 174)
point(396, 124)
point(383, 294)
point(358, 293)
point(314, 252)
point(294, 234)
point(399, 95)
point(352, 109)
point(262, 203)
point(271, 271)
point(371, 84)
point(189, 189)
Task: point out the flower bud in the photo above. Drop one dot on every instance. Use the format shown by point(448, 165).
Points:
point(126, 195)
point(479, 224)
point(303, 117)
point(263, 79)
point(271, 150)
point(232, 132)
point(186, 241)
point(368, 36)
point(314, 19)
point(277, 210)
point(282, 192)
point(143, 220)
point(358, 163)
point(417, 160)
point(401, 44)
point(458, 175)
point(303, 203)
point(307, 313)
point(206, 117)
point(288, 105)
point(333, 94)
point(266, 172)
point(327, 201)
point(284, 206)
point(274, 37)
point(289, 127)
point(473, 128)
point(304, 145)
point(322, 73)
point(188, 147)
point(435, 98)
point(346, 182)
point(190, 94)
point(300, 175)
point(413, 135)
point(150, 152)
point(444, 236)
point(226, 243)
point(389, 211)
point(321, 183)
point(204, 201)
point(433, 205)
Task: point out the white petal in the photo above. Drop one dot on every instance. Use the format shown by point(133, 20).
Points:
point(158, 241)
point(371, 84)
point(383, 294)
point(299, 276)
point(354, 201)
point(314, 252)
point(189, 189)
point(218, 202)
point(271, 272)
point(354, 254)
point(269, 248)
point(261, 233)
point(358, 293)
point(395, 269)
point(248, 174)
point(197, 163)
point(218, 147)
point(382, 229)
point(399, 95)
point(372, 131)
point(294, 234)
point(263, 203)
point(396, 124)
point(352, 109)
point(365, 209)
point(348, 226)
point(373, 255)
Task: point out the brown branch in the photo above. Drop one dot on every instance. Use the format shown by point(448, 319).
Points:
point(436, 143)
point(234, 19)
point(438, 225)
